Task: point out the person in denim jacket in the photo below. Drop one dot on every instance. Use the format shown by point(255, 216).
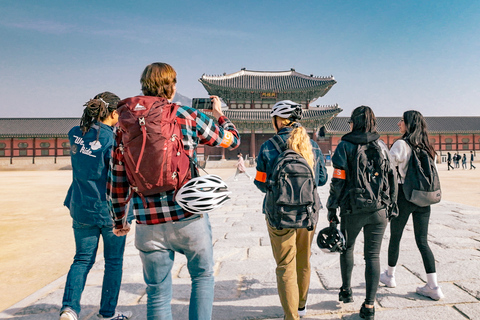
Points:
point(91, 146)
point(291, 247)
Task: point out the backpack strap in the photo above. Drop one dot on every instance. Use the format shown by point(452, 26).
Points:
point(278, 143)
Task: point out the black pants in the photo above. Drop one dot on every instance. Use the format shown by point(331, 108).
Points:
point(374, 225)
point(421, 218)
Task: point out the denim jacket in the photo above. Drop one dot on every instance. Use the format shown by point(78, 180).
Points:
point(86, 197)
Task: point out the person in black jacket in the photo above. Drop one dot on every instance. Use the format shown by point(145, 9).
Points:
point(363, 125)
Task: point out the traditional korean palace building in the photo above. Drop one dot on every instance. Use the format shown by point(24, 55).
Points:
point(250, 96)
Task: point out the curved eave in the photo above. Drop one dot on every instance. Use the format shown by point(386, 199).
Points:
point(263, 116)
point(318, 90)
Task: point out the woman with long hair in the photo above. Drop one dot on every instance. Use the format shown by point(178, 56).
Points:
point(291, 247)
point(413, 128)
point(344, 192)
point(91, 146)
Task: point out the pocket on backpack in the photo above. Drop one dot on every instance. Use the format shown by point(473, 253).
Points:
point(425, 198)
point(296, 190)
point(361, 201)
point(293, 217)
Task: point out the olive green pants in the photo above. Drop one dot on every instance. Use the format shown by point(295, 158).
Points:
point(291, 250)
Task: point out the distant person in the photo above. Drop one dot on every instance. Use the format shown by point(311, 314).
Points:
point(241, 168)
point(472, 157)
point(457, 160)
point(291, 247)
point(464, 161)
point(91, 146)
point(449, 161)
point(414, 130)
point(377, 176)
point(163, 229)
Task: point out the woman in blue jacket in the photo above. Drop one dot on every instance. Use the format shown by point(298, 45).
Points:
point(91, 146)
point(291, 247)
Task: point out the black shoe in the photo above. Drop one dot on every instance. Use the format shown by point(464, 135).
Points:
point(367, 313)
point(345, 296)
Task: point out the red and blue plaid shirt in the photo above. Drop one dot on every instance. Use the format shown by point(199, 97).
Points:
point(161, 208)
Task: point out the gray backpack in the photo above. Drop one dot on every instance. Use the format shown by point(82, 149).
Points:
point(292, 200)
point(421, 184)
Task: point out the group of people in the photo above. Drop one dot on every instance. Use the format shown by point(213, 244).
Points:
point(102, 202)
point(291, 247)
point(456, 158)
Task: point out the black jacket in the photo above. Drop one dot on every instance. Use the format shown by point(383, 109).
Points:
point(343, 159)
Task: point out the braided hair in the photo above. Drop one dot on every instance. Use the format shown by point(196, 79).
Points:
point(98, 109)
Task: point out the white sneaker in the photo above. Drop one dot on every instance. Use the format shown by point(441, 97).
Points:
point(387, 280)
point(435, 293)
point(118, 316)
point(68, 314)
point(302, 312)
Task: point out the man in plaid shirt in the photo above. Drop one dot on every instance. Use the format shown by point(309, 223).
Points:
point(163, 227)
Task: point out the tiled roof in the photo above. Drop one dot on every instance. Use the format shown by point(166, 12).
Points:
point(264, 115)
point(36, 127)
point(59, 127)
point(268, 81)
point(434, 124)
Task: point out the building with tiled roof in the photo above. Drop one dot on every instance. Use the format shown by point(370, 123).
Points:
point(456, 134)
point(250, 95)
point(250, 85)
point(35, 137)
point(47, 137)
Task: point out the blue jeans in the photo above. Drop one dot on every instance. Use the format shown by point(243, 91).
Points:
point(157, 245)
point(86, 242)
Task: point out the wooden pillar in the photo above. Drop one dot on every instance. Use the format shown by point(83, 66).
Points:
point(440, 143)
point(11, 150)
point(56, 150)
point(252, 143)
point(456, 141)
point(34, 151)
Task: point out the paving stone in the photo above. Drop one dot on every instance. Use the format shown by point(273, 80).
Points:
point(406, 297)
point(469, 310)
point(245, 281)
point(471, 286)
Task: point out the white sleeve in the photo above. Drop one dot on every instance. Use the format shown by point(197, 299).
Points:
point(399, 155)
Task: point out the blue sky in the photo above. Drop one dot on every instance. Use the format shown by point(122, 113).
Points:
point(390, 55)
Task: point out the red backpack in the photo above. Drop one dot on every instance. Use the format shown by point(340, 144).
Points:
point(151, 145)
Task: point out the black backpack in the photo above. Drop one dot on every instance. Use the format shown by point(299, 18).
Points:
point(370, 188)
point(421, 185)
point(292, 200)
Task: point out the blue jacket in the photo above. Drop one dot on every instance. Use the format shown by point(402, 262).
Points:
point(86, 197)
point(268, 154)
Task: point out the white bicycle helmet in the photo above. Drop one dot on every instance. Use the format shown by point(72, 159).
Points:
point(203, 194)
point(287, 109)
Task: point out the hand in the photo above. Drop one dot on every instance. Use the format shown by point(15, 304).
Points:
point(392, 211)
point(216, 107)
point(332, 216)
point(123, 231)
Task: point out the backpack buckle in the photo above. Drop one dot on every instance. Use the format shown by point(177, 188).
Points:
point(141, 121)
